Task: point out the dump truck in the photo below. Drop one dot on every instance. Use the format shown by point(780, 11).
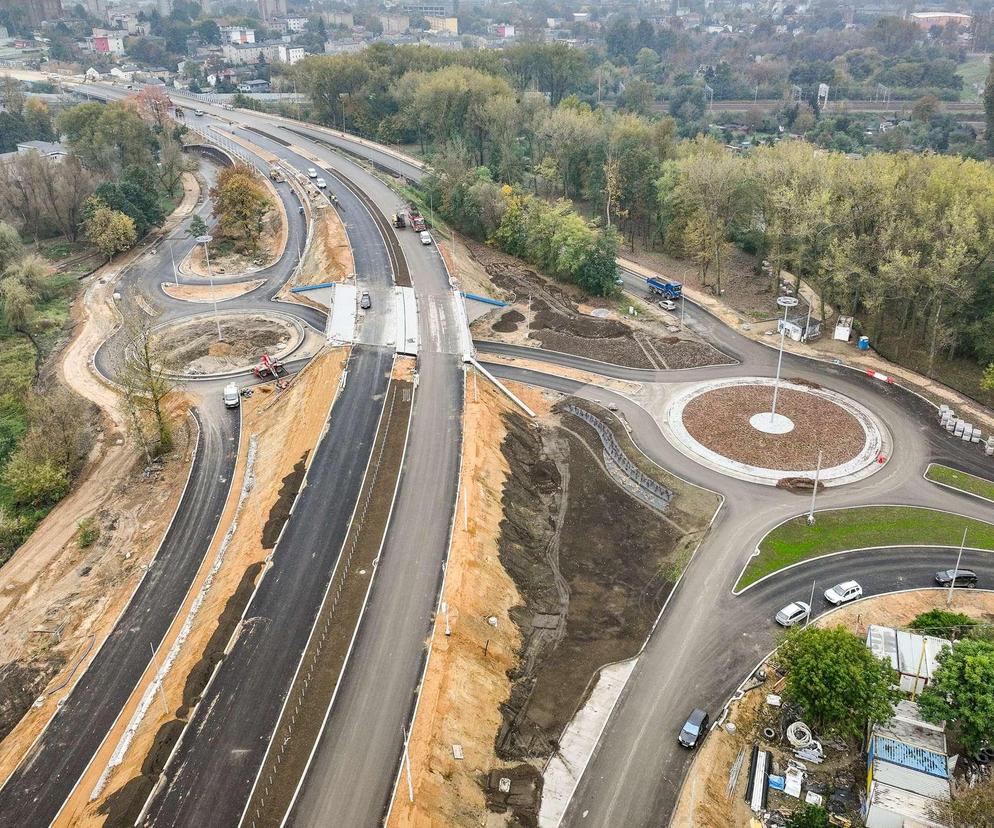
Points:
point(671, 290)
point(399, 221)
point(275, 174)
point(417, 220)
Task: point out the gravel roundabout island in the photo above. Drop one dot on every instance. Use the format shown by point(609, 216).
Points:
point(721, 425)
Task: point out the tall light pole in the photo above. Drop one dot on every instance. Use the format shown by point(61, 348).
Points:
point(206, 240)
point(785, 302)
point(814, 492)
point(952, 581)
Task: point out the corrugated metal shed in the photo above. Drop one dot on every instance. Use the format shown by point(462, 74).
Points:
point(890, 807)
point(915, 657)
point(910, 756)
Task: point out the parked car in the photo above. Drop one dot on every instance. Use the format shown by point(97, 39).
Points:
point(231, 396)
point(198, 112)
point(312, 173)
point(843, 593)
point(365, 302)
point(956, 577)
point(793, 614)
point(619, 281)
point(425, 237)
point(667, 304)
point(694, 729)
point(321, 183)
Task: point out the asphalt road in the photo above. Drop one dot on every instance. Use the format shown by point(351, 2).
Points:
point(35, 792)
point(212, 773)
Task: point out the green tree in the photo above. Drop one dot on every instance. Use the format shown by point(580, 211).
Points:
point(837, 682)
point(943, 623)
point(10, 246)
point(110, 231)
point(989, 107)
point(240, 203)
point(810, 816)
point(197, 226)
point(34, 484)
point(962, 692)
point(987, 382)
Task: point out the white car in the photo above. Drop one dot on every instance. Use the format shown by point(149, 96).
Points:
point(312, 173)
point(793, 614)
point(667, 304)
point(425, 237)
point(321, 183)
point(843, 593)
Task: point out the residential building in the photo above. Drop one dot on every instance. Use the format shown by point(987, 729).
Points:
point(394, 23)
point(502, 30)
point(907, 771)
point(237, 34)
point(48, 149)
point(448, 25)
point(291, 25)
point(254, 86)
point(430, 8)
point(164, 7)
point(128, 22)
point(338, 18)
point(242, 54)
point(38, 11)
point(271, 9)
point(928, 19)
point(913, 656)
point(105, 42)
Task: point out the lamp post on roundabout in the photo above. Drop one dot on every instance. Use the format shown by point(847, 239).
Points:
point(206, 240)
point(770, 422)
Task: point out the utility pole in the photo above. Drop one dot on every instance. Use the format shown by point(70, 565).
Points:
point(407, 763)
point(952, 581)
point(814, 492)
point(206, 240)
point(811, 601)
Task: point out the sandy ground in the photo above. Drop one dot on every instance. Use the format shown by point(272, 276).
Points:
point(704, 801)
point(44, 582)
point(205, 294)
point(467, 672)
point(466, 270)
point(285, 426)
point(621, 386)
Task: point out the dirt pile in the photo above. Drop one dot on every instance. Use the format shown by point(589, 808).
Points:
point(547, 313)
point(192, 347)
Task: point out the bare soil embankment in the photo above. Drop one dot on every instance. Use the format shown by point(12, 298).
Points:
point(554, 571)
point(557, 317)
point(284, 426)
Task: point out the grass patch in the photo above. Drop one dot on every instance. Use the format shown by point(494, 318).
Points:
point(964, 482)
point(973, 71)
point(842, 529)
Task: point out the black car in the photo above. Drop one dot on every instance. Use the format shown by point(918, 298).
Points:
point(694, 729)
point(957, 577)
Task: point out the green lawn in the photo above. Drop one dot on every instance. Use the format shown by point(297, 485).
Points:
point(969, 483)
point(841, 529)
point(973, 71)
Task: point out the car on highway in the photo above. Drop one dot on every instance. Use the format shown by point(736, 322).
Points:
point(694, 729)
point(793, 614)
point(667, 304)
point(312, 173)
point(198, 112)
point(843, 593)
point(365, 302)
point(957, 577)
point(425, 237)
point(321, 183)
point(619, 281)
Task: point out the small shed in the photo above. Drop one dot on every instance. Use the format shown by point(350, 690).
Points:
point(913, 656)
point(890, 807)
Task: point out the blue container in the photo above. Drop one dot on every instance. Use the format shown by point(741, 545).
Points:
point(864, 343)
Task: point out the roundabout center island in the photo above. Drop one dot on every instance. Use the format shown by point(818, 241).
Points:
point(729, 426)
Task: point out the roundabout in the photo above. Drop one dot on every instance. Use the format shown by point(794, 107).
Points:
point(727, 425)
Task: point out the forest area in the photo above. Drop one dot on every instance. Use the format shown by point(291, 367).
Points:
point(119, 180)
point(902, 241)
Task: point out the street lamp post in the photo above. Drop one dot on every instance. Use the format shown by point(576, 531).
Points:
point(206, 240)
point(814, 492)
point(785, 302)
point(952, 581)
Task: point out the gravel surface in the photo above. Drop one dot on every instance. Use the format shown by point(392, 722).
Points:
point(719, 420)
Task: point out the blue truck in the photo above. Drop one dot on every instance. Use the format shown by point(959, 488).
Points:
point(671, 290)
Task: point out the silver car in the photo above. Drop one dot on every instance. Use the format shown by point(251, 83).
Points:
point(843, 593)
point(793, 614)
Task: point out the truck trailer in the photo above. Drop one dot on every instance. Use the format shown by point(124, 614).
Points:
point(671, 290)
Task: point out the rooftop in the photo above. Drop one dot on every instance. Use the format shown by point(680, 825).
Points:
point(909, 756)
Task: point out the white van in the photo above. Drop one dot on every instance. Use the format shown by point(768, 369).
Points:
point(231, 396)
point(425, 237)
